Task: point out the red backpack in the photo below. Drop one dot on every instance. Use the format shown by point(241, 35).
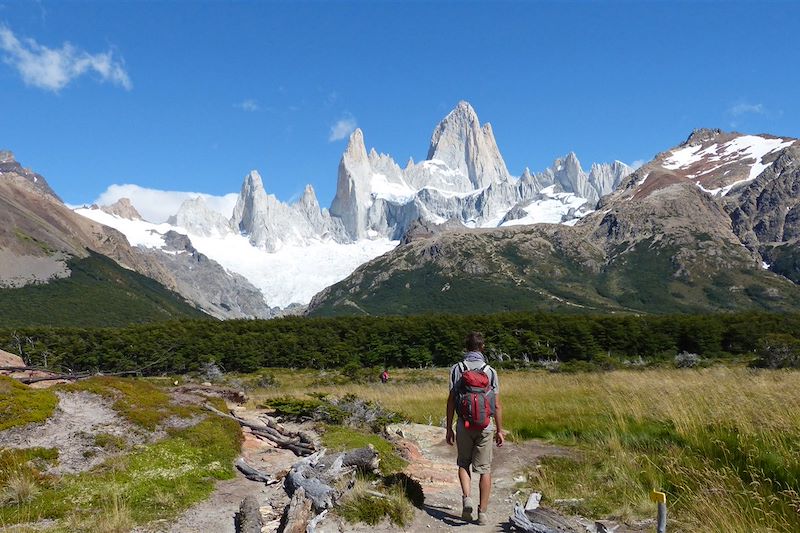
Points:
point(475, 397)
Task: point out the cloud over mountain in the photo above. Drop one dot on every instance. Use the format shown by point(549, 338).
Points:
point(156, 205)
point(342, 128)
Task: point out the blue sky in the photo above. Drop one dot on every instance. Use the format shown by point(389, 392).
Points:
point(190, 96)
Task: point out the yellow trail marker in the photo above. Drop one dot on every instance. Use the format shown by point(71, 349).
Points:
point(658, 497)
point(661, 520)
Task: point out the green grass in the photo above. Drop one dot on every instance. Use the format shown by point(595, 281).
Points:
point(138, 401)
point(723, 442)
point(20, 405)
point(151, 482)
point(361, 506)
point(341, 438)
point(98, 292)
point(157, 481)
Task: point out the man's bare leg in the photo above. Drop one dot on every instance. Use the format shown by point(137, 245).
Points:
point(485, 486)
point(466, 480)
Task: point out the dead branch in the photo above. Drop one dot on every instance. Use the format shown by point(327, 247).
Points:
point(289, 440)
point(254, 474)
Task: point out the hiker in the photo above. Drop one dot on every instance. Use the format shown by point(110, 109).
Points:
point(474, 397)
point(384, 376)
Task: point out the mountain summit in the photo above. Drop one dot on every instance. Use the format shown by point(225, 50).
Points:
point(468, 148)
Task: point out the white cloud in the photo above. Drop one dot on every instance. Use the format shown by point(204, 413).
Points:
point(636, 164)
point(54, 68)
point(157, 206)
point(248, 105)
point(343, 127)
point(743, 108)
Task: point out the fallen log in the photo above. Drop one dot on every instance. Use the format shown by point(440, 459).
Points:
point(289, 442)
point(254, 474)
point(53, 377)
point(298, 513)
point(227, 393)
point(248, 518)
point(540, 520)
point(317, 474)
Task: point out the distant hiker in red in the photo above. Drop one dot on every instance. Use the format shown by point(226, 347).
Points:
point(384, 376)
point(474, 397)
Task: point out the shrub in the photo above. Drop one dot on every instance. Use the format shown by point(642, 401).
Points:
point(19, 488)
point(778, 350)
point(687, 360)
point(362, 504)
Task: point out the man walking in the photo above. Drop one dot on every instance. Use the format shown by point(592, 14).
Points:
point(474, 395)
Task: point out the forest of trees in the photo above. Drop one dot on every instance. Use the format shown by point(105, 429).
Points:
point(434, 340)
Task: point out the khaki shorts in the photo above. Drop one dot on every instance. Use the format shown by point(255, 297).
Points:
point(474, 448)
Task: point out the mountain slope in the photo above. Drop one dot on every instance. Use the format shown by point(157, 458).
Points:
point(664, 242)
point(54, 263)
point(98, 292)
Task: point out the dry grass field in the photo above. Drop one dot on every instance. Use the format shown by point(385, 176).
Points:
point(724, 443)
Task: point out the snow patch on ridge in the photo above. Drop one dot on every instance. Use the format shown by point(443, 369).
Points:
point(551, 209)
point(291, 275)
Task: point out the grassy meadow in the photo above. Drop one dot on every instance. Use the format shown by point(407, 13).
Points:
point(724, 443)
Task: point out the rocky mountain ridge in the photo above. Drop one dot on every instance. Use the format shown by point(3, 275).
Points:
point(464, 178)
point(707, 225)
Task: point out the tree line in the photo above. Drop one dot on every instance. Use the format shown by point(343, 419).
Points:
point(409, 341)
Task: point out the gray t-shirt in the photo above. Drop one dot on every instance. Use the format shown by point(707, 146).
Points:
point(455, 375)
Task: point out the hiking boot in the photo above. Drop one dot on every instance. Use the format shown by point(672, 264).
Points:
point(466, 510)
point(483, 520)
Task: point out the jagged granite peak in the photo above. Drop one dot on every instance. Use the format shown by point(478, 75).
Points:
point(271, 224)
point(469, 148)
point(606, 177)
point(10, 166)
point(122, 208)
point(353, 187)
point(567, 172)
point(197, 218)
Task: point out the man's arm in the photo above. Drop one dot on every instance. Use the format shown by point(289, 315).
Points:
point(451, 409)
point(499, 435)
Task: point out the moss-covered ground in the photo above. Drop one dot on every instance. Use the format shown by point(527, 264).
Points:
point(154, 481)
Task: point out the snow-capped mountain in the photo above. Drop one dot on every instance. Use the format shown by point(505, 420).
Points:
point(292, 251)
point(711, 224)
point(464, 178)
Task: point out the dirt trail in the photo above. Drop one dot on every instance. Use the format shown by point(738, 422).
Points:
point(77, 419)
point(432, 462)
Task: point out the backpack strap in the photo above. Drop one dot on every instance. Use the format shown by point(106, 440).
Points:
point(483, 368)
point(463, 367)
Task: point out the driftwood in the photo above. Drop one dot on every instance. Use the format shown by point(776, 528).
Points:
point(298, 513)
point(248, 518)
point(317, 474)
point(540, 520)
point(254, 474)
point(299, 443)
